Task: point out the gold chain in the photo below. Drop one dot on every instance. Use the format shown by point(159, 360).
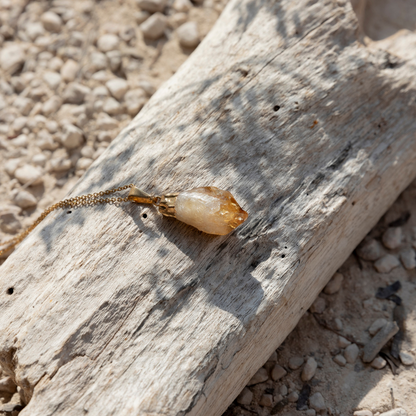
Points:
point(77, 201)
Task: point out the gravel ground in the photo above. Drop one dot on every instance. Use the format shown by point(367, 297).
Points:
point(74, 73)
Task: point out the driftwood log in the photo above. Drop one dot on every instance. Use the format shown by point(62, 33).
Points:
point(114, 312)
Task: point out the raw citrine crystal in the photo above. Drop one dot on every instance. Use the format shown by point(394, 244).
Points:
point(209, 209)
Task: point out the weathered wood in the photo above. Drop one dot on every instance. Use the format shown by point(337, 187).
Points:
point(114, 313)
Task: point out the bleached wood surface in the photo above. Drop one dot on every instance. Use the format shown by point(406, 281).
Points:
point(115, 314)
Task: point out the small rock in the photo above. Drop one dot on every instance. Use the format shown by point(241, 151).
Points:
point(283, 390)
point(19, 141)
point(259, 377)
point(55, 64)
point(25, 199)
point(293, 397)
point(386, 263)
point(112, 106)
point(408, 259)
point(377, 325)
point(334, 285)
point(72, 136)
point(317, 402)
point(310, 412)
point(406, 358)
point(34, 30)
point(69, 70)
point(392, 237)
point(295, 362)
point(318, 306)
point(127, 33)
point(340, 360)
point(7, 385)
point(378, 363)
point(245, 397)
point(152, 6)
point(147, 87)
point(105, 136)
point(395, 412)
point(29, 174)
point(75, 93)
point(9, 223)
point(52, 79)
point(177, 20)
point(87, 151)
point(182, 6)
point(154, 27)
point(369, 249)
point(135, 100)
point(23, 104)
point(343, 342)
point(272, 358)
point(278, 372)
point(98, 61)
point(51, 22)
point(373, 347)
point(39, 159)
point(117, 87)
point(338, 324)
point(12, 58)
point(11, 165)
point(363, 413)
point(114, 58)
point(188, 35)
point(60, 164)
point(83, 163)
point(52, 105)
point(104, 122)
point(309, 369)
point(351, 353)
point(141, 16)
point(266, 400)
point(108, 42)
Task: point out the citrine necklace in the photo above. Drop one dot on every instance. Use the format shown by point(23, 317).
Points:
point(208, 209)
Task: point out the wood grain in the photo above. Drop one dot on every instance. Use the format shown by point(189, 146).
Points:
point(115, 314)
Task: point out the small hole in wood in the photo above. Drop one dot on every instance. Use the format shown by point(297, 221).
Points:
point(285, 247)
point(10, 291)
point(69, 212)
point(144, 215)
point(283, 256)
point(276, 108)
point(353, 203)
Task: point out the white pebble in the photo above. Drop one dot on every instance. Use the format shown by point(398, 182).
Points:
point(34, 30)
point(369, 249)
point(182, 5)
point(245, 397)
point(386, 263)
point(392, 237)
point(259, 377)
point(334, 285)
point(75, 93)
point(406, 358)
point(39, 159)
point(318, 306)
point(152, 6)
point(408, 259)
point(12, 58)
point(317, 402)
point(52, 105)
point(23, 104)
point(278, 372)
point(29, 174)
point(188, 35)
point(55, 64)
point(343, 342)
point(135, 100)
point(395, 412)
point(69, 70)
point(154, 27)
point(51, 22)
point(112, 106)
point(377, 325)
point(351, 353)
point(107, 42)
point(114, 59)
point(340, 360)
point(309, 369)
point(105, 122)
point(72, 136)
point(117, 87)
point(52, 79)
point(25, 199)
point(60, 164)
point(363, 413)
point(378, 363)
point(295, 362)
point(83, 163)
point(98, 61)
point(266, 400)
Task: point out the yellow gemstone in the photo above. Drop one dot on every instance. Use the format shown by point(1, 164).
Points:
point(209, 209)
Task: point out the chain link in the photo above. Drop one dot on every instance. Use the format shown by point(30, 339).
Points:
point(76, 201)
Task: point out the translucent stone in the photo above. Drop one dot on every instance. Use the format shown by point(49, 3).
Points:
point(209, 209)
